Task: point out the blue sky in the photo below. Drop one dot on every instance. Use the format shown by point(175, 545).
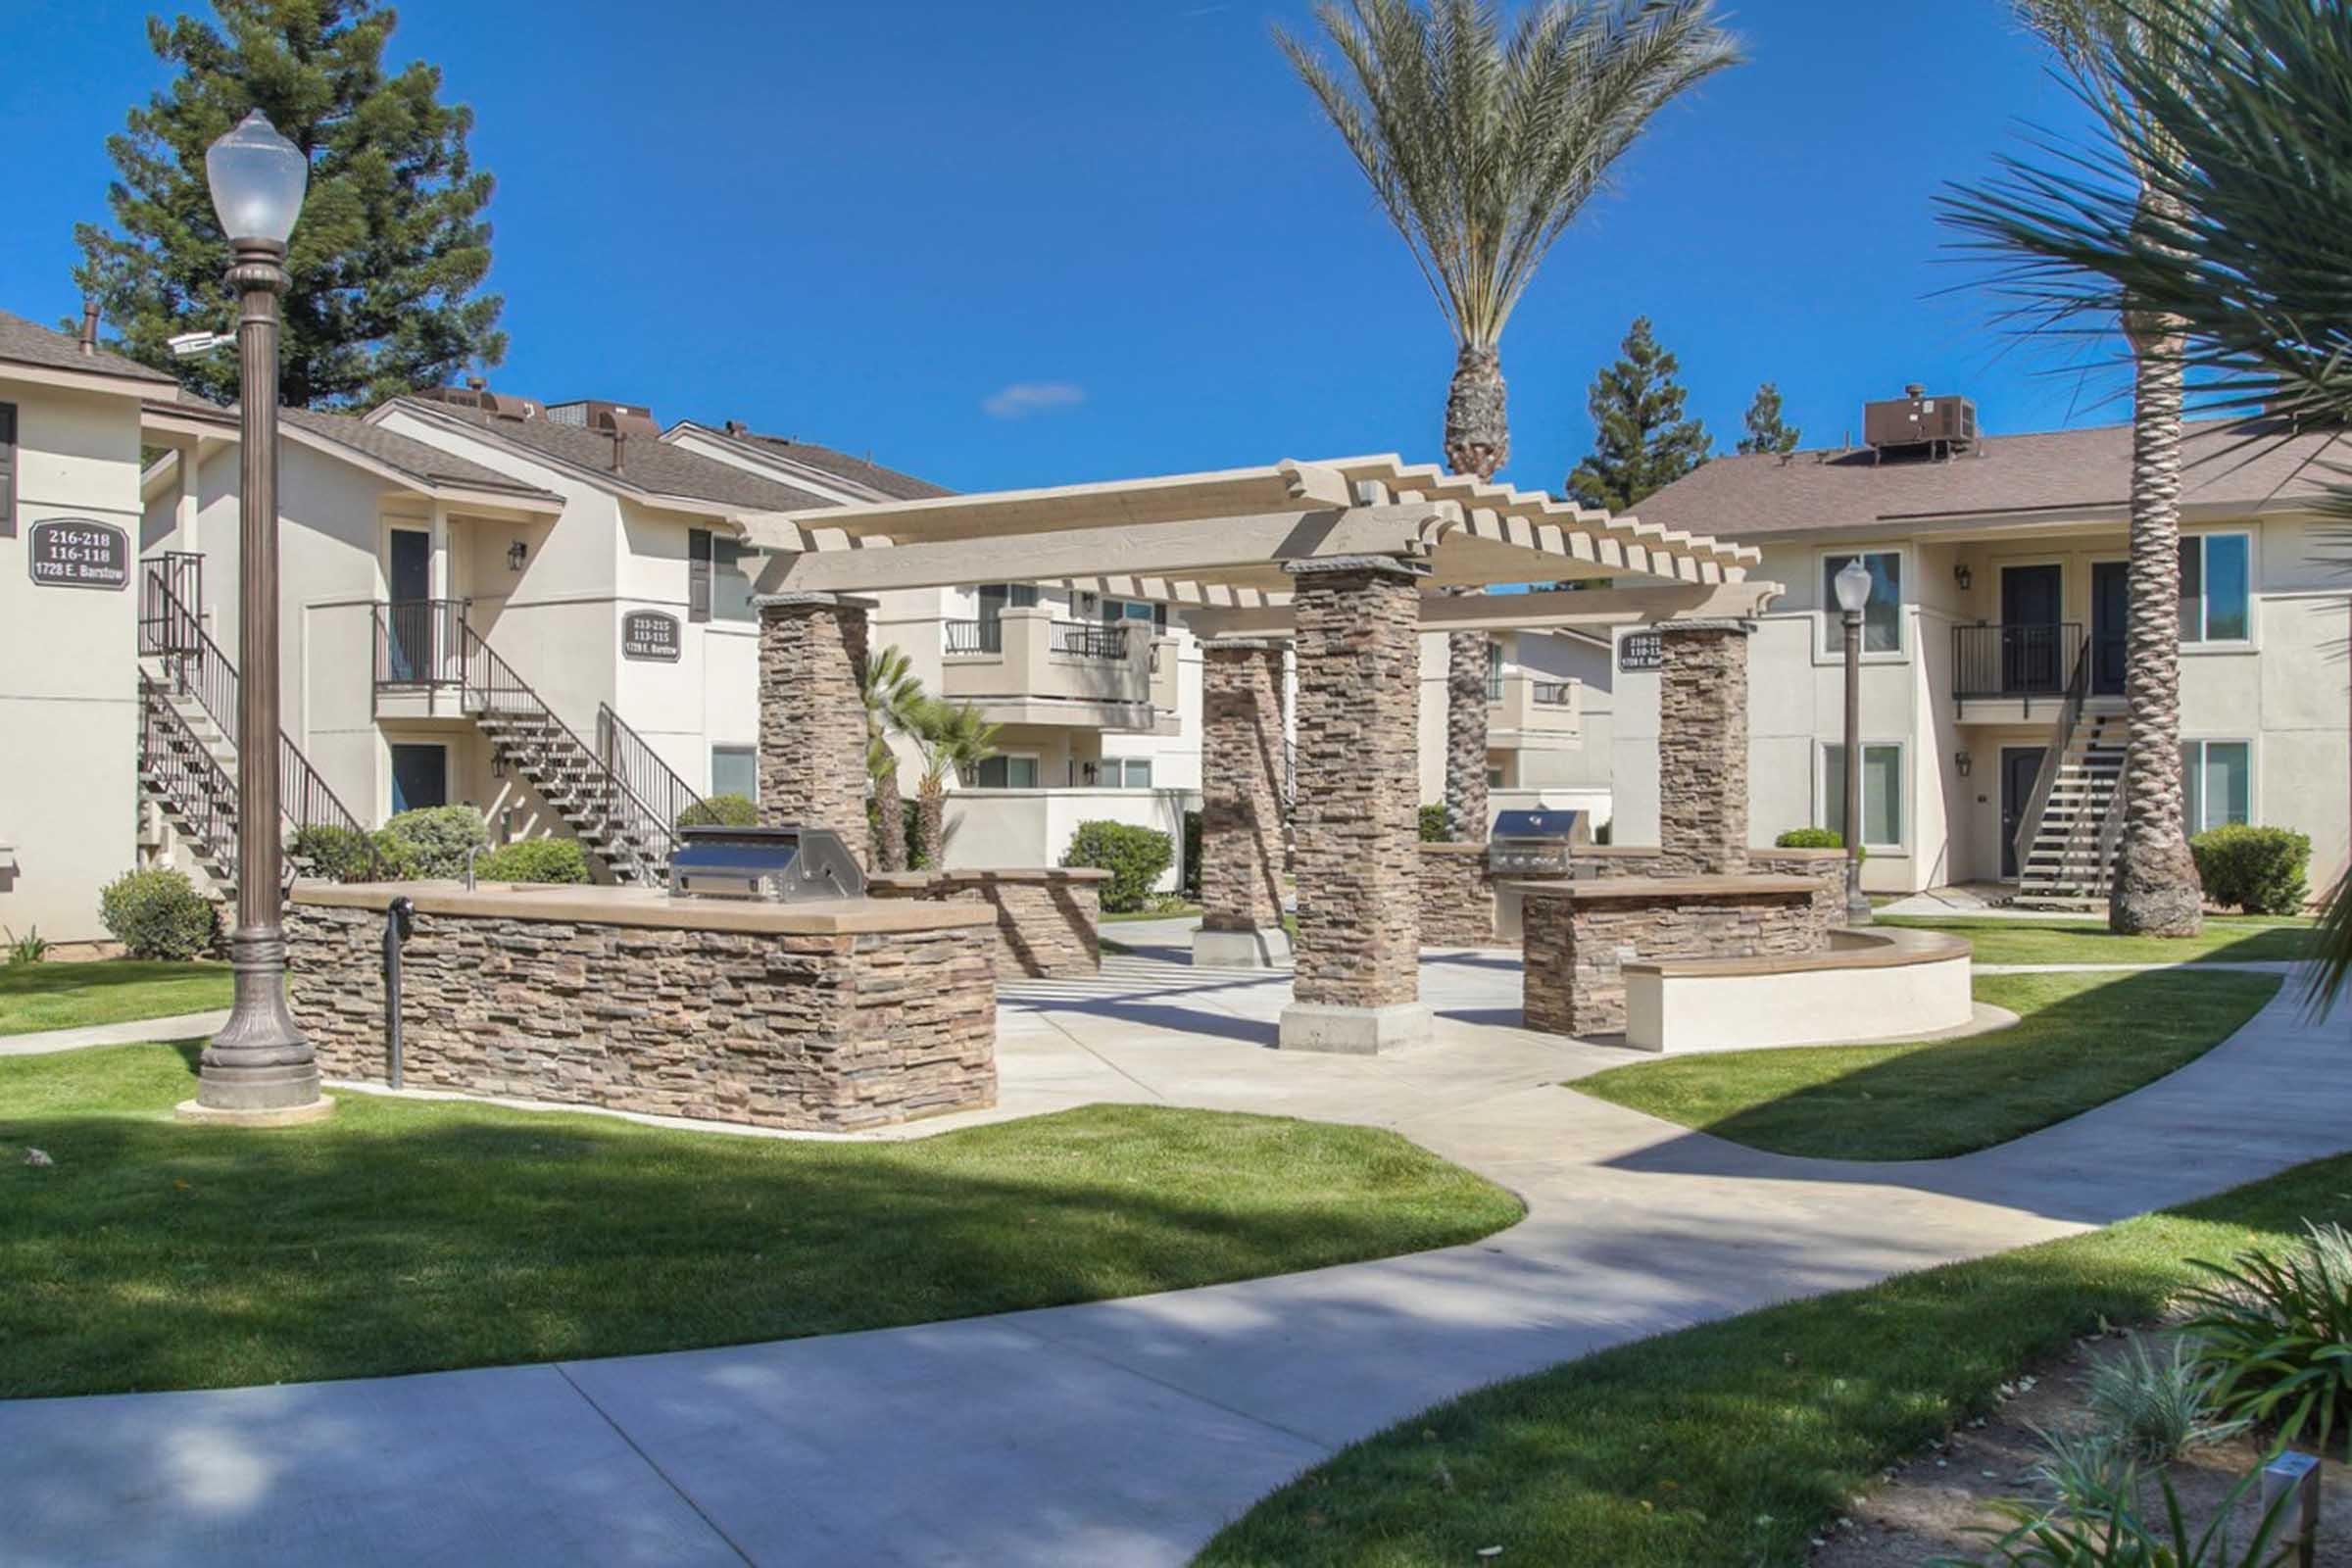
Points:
point(1033, 243)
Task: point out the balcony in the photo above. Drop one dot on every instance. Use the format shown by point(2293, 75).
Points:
point(421, 659)
point(1533, 712)
point(1027, 666)
point(2007, 673)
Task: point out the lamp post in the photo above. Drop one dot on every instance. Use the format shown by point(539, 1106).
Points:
point(259, 1069)
point(1852, 584)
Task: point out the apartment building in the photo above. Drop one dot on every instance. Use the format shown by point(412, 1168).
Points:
point(1992, 665)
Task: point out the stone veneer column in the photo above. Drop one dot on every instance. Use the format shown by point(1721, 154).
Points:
point(812, 713)
point(1355, 824)
point(1241, 806)
point(1703, 747)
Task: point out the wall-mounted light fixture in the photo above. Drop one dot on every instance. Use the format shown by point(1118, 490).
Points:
point(516, 555)
point(1962, 575)
point(1962, 762)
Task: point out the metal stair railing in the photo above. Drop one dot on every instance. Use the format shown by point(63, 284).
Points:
point(181, 768)
point(645, 779)
point(2053, 761)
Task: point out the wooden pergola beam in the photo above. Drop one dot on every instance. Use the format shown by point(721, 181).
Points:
point(1576, 609)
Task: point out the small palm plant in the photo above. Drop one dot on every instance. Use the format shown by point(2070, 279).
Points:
point(955, 740)
point(893, 697)
point(2277, 1330)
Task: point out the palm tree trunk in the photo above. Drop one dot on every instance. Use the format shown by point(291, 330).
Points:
point(2156, 890)
point(1478, 441)
point(889, 822)
point(930, 820)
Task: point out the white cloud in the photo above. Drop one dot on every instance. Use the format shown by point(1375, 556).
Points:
point(1023, 398)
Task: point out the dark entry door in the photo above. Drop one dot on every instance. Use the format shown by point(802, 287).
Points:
point(2031, 601)
point(2021, 765)
point(410, 618)
point(2110, 609)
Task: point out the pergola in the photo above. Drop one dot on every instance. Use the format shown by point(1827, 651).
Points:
point(1347, 561)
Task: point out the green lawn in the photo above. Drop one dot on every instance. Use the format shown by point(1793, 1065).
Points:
point(67, 996)
point(1731, 1444)
point(2080, 1041)
point(403, 1236)
point(2225, 939)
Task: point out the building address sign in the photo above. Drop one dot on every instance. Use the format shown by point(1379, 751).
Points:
point(650, 634)
point(78, 553)
point(1641, 650)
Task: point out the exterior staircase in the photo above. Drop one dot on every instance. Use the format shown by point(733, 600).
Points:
point(2066, 839)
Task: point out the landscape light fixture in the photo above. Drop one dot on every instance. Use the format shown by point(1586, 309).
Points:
point(516, 553)
point(1852, 587)
point(1963, 764)
point(1962, 575)
point(259, 1070)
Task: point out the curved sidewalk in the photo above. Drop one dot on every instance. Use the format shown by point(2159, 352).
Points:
point(1126, 1432)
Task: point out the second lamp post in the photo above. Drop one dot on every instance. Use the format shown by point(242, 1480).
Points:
point(1852, 584)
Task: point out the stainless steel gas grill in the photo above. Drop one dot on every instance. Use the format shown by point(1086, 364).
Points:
point(786, 864)
point(1533, 843)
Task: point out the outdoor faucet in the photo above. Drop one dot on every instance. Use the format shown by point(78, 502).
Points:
point(471, 850)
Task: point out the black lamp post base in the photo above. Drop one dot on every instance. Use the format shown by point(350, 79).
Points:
point(259, 1064)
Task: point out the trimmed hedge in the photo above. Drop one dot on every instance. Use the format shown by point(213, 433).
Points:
point(2259, 869)
point(352, 855)
point(158, 913)
point(1135, 857)
point(535, 861)
point(1815, 838)
point(437, 837)
point(721, 811)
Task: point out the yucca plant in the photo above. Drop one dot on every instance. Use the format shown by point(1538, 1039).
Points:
point(2096, 1518)
point(2276, 1328)
point(2159, 1404)
point(2239, 127)
point(1482, 148)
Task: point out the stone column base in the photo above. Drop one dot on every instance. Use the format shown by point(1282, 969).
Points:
point(1356, 1031)
point(199, 1114)
point(1266, 947)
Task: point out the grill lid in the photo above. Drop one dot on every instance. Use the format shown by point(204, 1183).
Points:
point(1536, 824)
point(792, 863)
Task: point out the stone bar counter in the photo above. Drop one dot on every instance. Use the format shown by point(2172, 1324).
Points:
point(1048, 919)
point(817, 1017)
point(1580, 936)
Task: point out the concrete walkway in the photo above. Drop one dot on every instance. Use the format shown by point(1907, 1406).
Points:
point(180, 1026)
point(1126, 1432)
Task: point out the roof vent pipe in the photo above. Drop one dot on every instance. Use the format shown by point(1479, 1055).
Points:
point(620, 441)
point(737, 428)
point(89, 326)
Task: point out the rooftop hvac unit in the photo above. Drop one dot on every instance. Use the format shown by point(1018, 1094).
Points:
point(1915, 420)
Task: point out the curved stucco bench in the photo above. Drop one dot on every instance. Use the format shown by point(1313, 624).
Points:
point(1870, 985)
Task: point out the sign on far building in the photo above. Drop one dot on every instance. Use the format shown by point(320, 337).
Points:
point(1639, 650)
point(78, 553)
point(650, 634)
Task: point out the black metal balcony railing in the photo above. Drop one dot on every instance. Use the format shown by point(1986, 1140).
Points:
point(975, 636)
point(2015, 661)
point(1090, 639)
point(421, 642)
point(1552, 693)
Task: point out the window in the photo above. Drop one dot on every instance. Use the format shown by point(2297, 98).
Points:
point(1117, 609)
point(1133, 772)
point(1882, 791)
point(1881, 617)
point(732, 563)
point(2216, 783)
point(995, 598)
point(8, 470)
point(1494, 670)
point(419, 777)
point(735, 770)
point(1007, 773)
point(2215, 587)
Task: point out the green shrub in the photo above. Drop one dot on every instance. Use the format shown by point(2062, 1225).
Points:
point(2277, 1327)
point(535, 861)
point(720, 810)
point(435, 838)
point(2158, 1406)
point(1815, 838)
point(1433, 824)
point(352, 855)
point(1135, 857)
point(2259, 869)
point(1190, 888)
point(158, 913)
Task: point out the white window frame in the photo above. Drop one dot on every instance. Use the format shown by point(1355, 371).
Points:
point(2253, 778)
point(2201, 642)
point(1902, 791)
point(752, 750)
point(1036, 759)
point(1829, 646)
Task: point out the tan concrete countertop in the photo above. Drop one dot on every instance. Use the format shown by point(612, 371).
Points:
point(1603, 889)
point(648, 906)
point(1011, 873)
point(1450, 848)
point(1849, 948)
point(1776, 851)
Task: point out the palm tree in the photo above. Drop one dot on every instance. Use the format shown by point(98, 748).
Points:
point(2223, 203)
point(955, 740)
point(2107, 45)
point(892, 696)
point(1482, 150)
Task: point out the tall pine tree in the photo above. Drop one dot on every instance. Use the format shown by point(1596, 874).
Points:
point(1642, 443)
point(1767, 431)
point(391, 247)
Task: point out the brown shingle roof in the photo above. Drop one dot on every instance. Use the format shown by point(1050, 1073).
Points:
point(410, 457)
point(858, 471)
point(29, 343)
point(649, 466)
point(2225, 464)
